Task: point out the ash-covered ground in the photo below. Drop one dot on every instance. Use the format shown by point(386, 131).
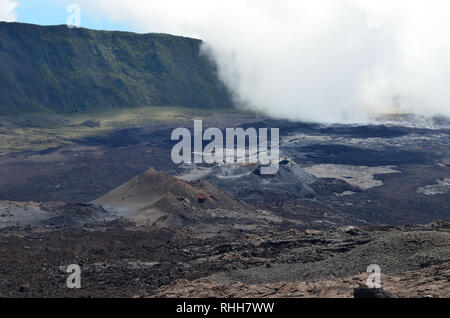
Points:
point(122, 261)
point(345, 197)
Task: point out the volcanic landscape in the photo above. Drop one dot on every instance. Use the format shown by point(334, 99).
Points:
point(138, 225)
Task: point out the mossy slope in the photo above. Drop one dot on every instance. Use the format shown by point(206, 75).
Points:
point(62, 70)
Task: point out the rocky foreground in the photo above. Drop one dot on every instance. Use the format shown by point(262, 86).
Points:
point(119, 259)
point(430, 282)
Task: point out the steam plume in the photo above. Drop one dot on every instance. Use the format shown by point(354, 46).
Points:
point(321, 60)
point(7, 10)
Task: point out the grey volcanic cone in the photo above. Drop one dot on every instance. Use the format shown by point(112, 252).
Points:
point(158, 199)
point(247, 183)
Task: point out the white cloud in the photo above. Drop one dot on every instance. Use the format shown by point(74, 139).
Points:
point(7, 10)
point(320, 60)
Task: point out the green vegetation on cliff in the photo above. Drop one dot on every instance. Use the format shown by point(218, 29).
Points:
point(60, 70)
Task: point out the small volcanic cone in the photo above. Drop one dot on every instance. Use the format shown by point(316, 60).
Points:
point(247, 183)
point(158, 199)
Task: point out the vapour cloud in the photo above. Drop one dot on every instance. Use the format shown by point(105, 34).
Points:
point(317, 60)
point(7, 10)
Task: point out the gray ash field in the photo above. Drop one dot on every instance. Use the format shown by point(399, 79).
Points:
point(345, 197)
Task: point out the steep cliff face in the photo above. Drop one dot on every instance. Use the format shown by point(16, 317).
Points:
point(54, 68)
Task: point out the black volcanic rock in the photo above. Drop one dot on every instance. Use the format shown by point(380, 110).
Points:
point(246, 182)
point(78, 214)
point(366, 292)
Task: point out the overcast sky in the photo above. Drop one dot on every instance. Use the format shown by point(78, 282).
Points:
point(321, 60)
